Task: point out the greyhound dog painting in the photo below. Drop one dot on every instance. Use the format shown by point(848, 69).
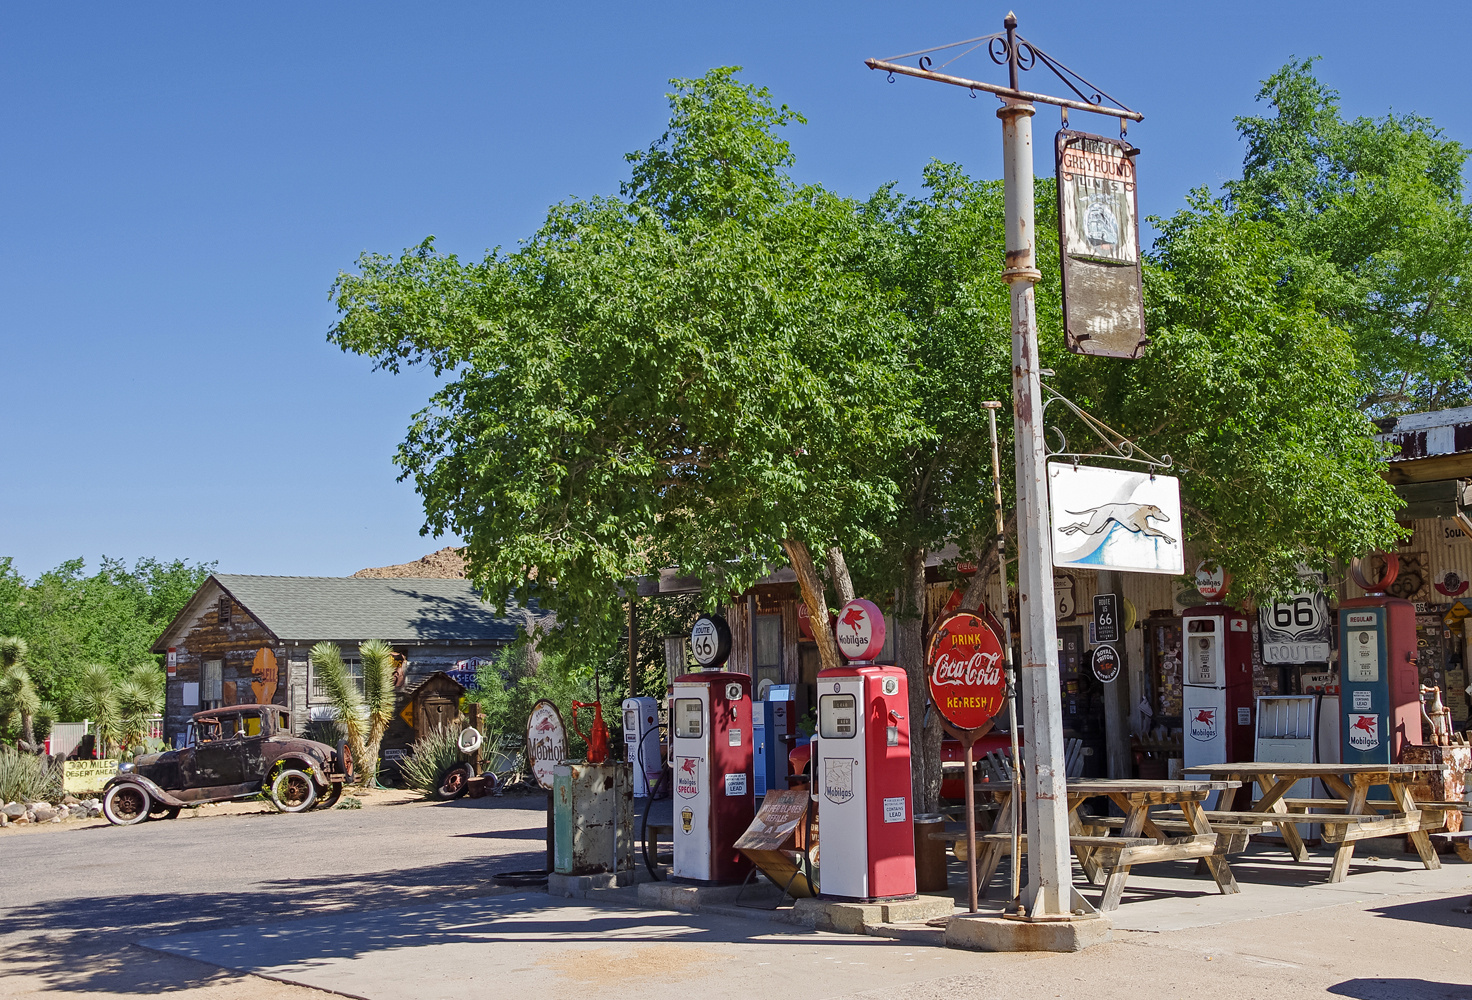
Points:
point(1112, 519)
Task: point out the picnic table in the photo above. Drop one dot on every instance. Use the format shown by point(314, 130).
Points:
point(1357, 816)
point(1109, 858)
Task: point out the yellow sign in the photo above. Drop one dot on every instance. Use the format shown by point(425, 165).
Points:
point(87, 775)
point(408, 714)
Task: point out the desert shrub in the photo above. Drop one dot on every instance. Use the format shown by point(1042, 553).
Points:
point(429, 757)
point(26, 777)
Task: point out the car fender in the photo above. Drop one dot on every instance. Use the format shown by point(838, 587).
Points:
point(154, 791)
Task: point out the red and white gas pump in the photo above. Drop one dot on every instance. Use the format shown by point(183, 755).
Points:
point(1216, 704)
point(711, 753)
point(1380, 681)
point(861, 768)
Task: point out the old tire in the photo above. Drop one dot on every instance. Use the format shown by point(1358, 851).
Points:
point(330, 799)
point(293, 791)
point(126, 804)
point(454, 783)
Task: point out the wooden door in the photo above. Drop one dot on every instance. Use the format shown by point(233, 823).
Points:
point(435, 712)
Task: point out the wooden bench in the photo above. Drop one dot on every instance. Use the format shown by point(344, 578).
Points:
point(1458, 841)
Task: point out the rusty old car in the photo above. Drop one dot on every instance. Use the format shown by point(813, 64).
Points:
point(229, 753)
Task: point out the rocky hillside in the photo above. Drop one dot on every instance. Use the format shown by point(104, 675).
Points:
point(446, 564)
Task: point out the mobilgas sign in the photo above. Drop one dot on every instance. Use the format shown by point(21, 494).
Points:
point(860, 630)
point(546, 741)
point(967, 685)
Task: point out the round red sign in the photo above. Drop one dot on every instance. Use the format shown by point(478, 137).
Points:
point(966, 664)
point(860, 630)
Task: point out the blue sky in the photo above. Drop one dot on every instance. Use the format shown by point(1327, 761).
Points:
point(180, 183)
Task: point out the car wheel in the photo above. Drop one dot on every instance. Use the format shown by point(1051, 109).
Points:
point(292, 791)
point(453, 783)
point(126, 804)
point(330, 799)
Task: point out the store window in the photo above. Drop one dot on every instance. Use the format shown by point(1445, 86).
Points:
point(212, 683)
point(768, 659)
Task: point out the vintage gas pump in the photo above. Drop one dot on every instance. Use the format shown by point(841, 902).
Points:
point(1380, 686)
point(861, 768)
point(711, 754)
point(641, 736)
point(781, 713)
point(1217, 677)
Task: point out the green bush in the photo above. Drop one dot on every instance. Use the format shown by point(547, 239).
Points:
point(429, 758)
point(27, 778)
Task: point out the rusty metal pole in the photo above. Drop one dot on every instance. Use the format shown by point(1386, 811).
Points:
point(1049, 893)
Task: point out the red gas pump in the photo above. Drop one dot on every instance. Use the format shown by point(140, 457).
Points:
point(1216, 676)
point(861, 768)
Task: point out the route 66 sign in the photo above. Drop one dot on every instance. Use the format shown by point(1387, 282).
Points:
point(710, 641)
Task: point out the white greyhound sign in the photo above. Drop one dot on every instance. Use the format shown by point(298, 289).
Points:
point(1109, 519)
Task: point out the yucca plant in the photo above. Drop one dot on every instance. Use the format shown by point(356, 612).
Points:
point(365, 717)
point(97, 699)
point(429, 758)
point(140, 696)
point(18, 698)
point(25, 777)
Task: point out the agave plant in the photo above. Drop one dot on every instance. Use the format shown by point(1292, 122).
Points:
point(18, 698)
point(363, 718)
point(429, 758)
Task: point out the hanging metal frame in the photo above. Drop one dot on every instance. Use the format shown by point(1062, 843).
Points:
point(1119, 447)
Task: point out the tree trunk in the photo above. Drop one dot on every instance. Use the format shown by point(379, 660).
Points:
point(975, 593)
point(815, 598)
point(909, 647)
point(843, 584)
point(28, 732)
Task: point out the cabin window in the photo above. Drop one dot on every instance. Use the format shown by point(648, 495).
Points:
point(224, 615)
point(212, 683)
point(355, 671)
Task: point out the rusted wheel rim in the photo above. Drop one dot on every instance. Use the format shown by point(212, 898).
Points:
point(295, 790)
point(128, 803)
point(454, 781)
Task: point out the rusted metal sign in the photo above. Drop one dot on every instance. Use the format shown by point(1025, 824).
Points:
point(1099, 242)
point(546, 741)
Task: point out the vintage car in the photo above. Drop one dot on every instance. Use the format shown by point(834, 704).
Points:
point(230, 753)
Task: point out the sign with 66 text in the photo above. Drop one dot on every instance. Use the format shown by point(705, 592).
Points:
point(966, 680)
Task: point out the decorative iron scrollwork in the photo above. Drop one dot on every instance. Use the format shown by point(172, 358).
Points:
point(1119, 447)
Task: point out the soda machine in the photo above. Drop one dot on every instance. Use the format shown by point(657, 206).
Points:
point(861, 768)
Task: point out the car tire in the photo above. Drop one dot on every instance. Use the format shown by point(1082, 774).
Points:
point(293, 791)
point(126, 804)
point(454, 783)
point(330, 799)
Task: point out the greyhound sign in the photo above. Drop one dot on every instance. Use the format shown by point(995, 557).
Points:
point(1115, 520)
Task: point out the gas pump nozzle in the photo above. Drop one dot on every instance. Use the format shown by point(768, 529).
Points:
point(597, 736)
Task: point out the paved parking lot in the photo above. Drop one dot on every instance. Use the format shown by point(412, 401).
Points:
point(396, 901)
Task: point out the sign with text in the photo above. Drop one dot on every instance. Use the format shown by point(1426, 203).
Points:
point(1112, 519)
point(967, 685)
point(1295, 629)
point(82, 776)
point(1099, 242)
point(1106, 618)
point(546, 741)
point(860, 630)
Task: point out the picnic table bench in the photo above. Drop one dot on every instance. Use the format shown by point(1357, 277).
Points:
point(1356, 819)
point(1140, 841)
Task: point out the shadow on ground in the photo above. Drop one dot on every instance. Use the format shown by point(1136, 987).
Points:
point(1400, 989)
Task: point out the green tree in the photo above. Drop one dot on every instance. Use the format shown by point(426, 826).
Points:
point(1375, 234)
point(362, 715)
point(18, 699)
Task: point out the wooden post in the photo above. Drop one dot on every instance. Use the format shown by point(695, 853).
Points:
point(967, 741)
point(633, 651)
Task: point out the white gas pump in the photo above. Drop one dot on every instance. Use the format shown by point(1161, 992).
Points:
point(641, 737)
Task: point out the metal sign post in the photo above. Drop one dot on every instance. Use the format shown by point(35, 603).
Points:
point(1050, 894)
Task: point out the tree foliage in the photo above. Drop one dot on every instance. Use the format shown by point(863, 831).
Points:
point(1374, 233)
point(363, 717)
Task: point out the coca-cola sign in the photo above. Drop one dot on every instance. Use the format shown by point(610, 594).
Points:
point(967, 683)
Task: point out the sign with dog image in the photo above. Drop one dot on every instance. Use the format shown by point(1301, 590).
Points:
point(1115, 520)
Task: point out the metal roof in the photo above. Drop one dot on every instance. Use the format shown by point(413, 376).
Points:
point(400, 610)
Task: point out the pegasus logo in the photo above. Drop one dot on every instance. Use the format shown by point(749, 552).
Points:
point(853, 618)
point(688, 766)
point(1205, 715)
point(1365, 723)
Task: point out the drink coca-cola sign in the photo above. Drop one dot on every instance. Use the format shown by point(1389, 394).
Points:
point(967, 681)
